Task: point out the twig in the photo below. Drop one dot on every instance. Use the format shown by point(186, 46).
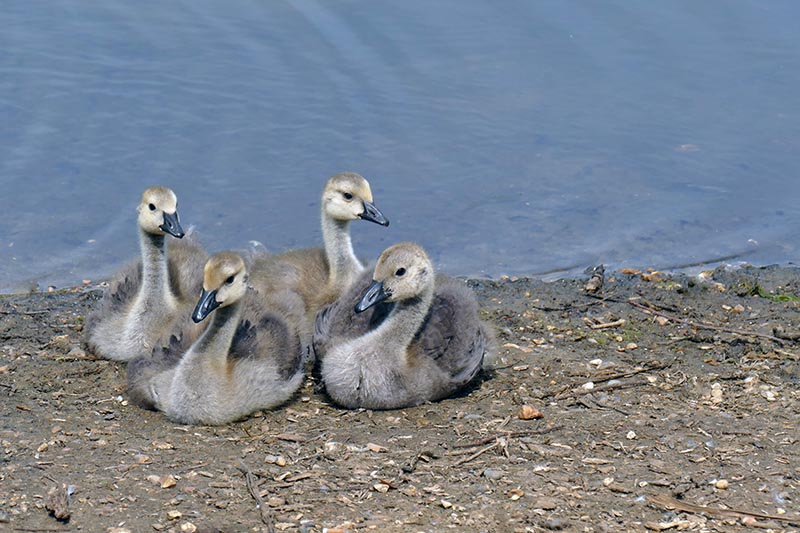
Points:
point(598, 300)
point(515, 363)
point(790, 355)
point(704, 325)
point(668, 501)
point(509, 434)
point(596, 404)
point(252, 488)
point(657, 307)
point(478, 453)
point(424, 455)
point(290, 437)
point(606, 325)
point(653, 365)
point(38, 529)
point(581, 391)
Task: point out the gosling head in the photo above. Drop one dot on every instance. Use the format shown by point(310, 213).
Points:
point(347, 196)
point(403, 271)
point(224, 282)
point(158, 212)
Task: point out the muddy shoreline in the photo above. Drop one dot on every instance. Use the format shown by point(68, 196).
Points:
point(660, 391)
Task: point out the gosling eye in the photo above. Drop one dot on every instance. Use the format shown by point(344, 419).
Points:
point(400, 272)
point(229, 280)
point(152, 207)
point(347, 196)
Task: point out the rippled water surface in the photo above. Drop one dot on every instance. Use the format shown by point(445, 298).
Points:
point(506, 137)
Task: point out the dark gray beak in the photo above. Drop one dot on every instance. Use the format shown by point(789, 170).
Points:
point(208, 302)
point(373, 214)
point(172, 225)
point(373, 295)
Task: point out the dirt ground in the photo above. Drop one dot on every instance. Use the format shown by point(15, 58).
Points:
point(669, 403)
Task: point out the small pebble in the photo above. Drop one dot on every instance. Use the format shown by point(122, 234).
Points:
point(716, 393)
point(528, 412)
point(491, 473)
point(721, 484)
point(588, 386)
point(554, 524)
point(515, 494)
point(548, 504)
point(631, 435)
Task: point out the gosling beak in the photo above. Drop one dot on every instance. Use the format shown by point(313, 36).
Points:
point(172, 225)
point(373, 295)
point(208, 302)
point(373, 214)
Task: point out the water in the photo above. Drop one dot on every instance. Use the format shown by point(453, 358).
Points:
point(506, 137)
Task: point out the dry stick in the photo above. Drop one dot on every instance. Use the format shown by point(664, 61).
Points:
point(596, 404)
point(653, 365)
point(252, 488)
point(792, 356)
point(515, 363)
point(38, 529)
point(607, 325)
point(509, 434)
point(667, 501)
point(611, 386)
point(425, 455)
point(478, 453)
point(568, 307)
point(704, 325)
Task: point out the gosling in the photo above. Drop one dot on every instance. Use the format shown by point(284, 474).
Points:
point(320, 275)
point(423, 341)
point(248, 358)
point(145, 299)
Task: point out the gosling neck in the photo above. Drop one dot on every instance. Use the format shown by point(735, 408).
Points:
point(405, 320)
point(216, 340)
point(155, 274)
point(342, 261)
